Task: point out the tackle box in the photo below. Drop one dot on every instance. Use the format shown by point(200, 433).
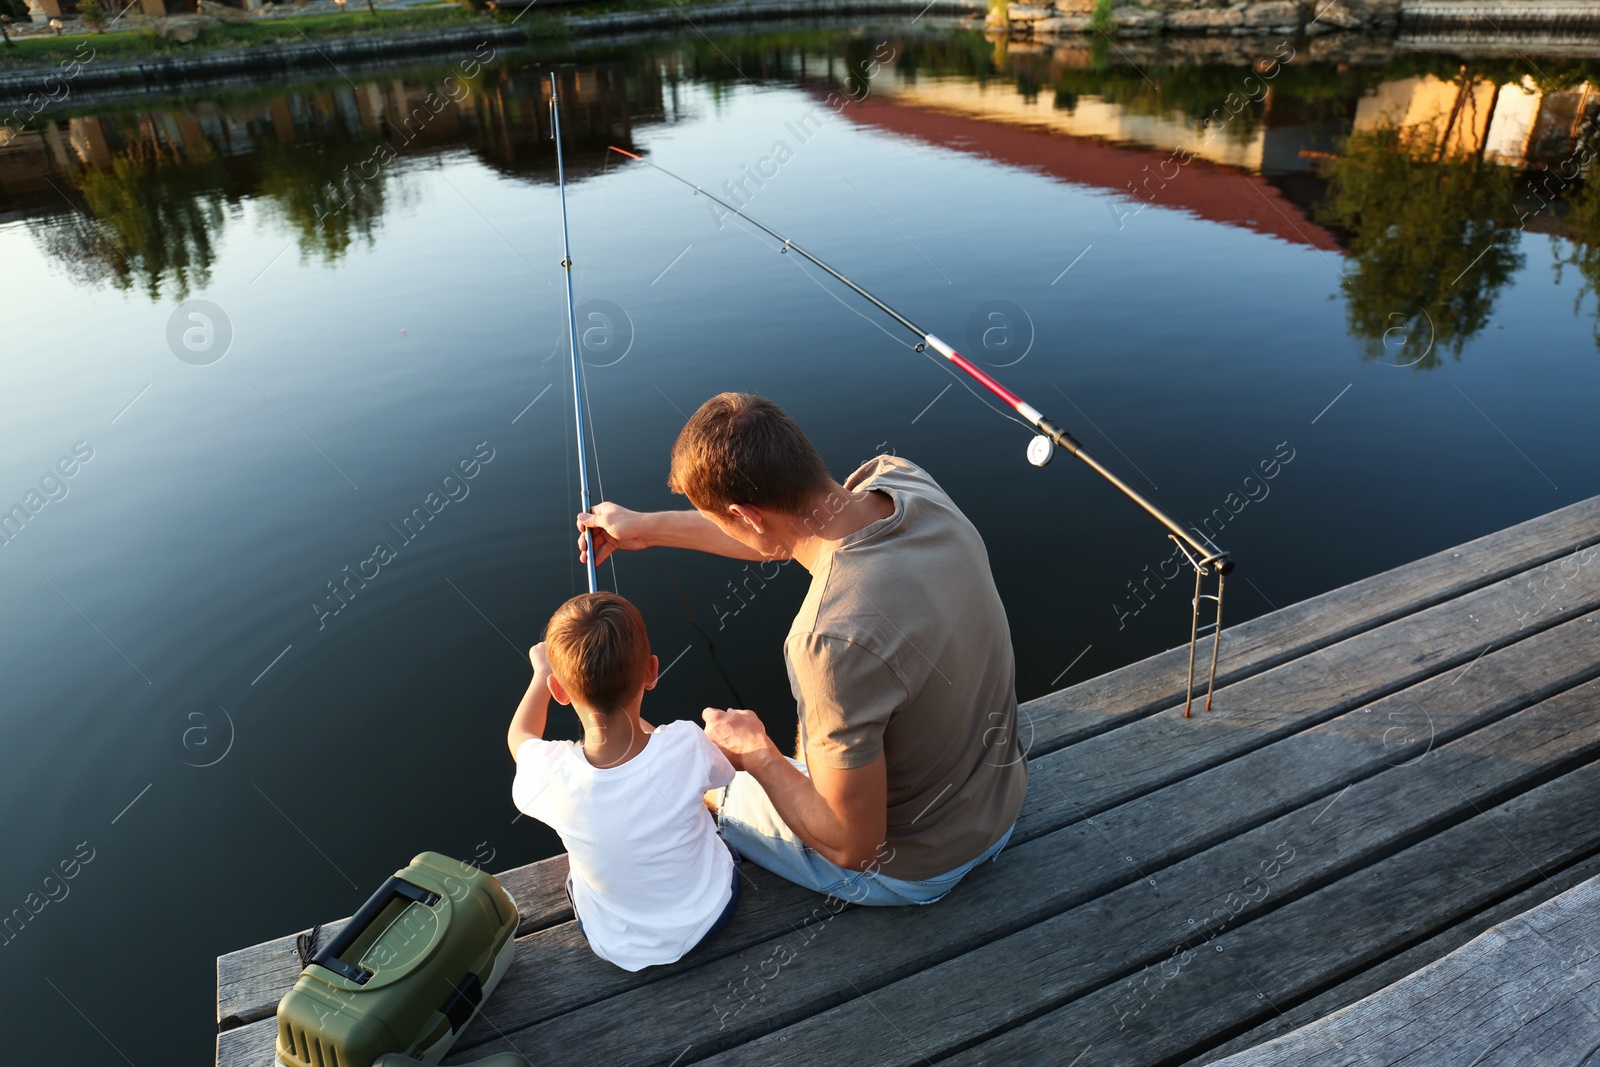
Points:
point(406, 974)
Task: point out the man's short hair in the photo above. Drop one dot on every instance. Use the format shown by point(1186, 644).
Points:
point(598, 649)
point(742, 449)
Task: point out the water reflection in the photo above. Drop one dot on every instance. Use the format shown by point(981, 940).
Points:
point(144, 209)
point(1579, 248)
point(1433, 190)
point(1422, 171)
point(137, 201)
point(1432, 235)
point(308, 189)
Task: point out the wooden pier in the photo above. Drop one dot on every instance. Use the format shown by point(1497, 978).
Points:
point(1390, 770)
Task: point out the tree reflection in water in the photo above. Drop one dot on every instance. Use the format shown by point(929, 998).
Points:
point(1430, 226)
point(320, 192)
point(145, 219)
point(1579, 246)
point(1432, 237)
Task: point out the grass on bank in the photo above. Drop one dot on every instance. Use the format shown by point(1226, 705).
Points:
point(287, 25)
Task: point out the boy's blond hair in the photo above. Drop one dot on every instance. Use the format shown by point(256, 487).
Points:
point(598, 649)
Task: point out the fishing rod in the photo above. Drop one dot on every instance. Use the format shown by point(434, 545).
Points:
point(572, 336)
point(1205, 557)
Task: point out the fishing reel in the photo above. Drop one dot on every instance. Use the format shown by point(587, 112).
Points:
point(1041, 450)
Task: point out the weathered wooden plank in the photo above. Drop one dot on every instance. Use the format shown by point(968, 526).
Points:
point(1150, 752)
point(1320, 937)
point(807, 973)
point(1402, 965)
point(1109, 768)
point(1097, 945)
point(251, 981)
point(1156, 683)
point(1527, 989)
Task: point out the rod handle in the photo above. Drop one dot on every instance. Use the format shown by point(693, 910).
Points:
point(1062, 438)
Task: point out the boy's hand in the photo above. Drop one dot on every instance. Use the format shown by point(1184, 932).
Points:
point(528, 722)
point(612, 527)
point(540, 661)
point(740, 735)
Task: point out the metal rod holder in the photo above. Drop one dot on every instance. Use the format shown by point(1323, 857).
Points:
point(1204, 567)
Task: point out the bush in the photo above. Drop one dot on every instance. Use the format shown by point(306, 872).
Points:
point(93, 14)
point(1101, 19)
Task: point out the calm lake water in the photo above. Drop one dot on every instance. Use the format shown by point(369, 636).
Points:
point(1339, 269)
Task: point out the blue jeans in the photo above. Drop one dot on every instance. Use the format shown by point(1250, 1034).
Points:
point(751, 827)
point(733, 902)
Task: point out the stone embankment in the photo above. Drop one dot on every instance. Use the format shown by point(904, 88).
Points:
point(1179, 30)
point(167, 70)
point(1209, 17)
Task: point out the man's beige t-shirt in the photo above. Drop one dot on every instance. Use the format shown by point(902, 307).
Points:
point(902, 649)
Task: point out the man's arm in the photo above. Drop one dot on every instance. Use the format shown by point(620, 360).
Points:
point(528, 721)
point(842, 814)
point(615, 527)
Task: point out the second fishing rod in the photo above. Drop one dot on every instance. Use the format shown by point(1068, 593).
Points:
point(572, 335)
point(1205, 557)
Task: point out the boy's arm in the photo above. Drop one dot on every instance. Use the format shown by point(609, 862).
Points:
point(528, 722)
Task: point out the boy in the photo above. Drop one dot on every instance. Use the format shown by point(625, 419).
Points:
point(650, 877)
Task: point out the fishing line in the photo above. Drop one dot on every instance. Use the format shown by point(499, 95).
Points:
point(566, 466)
point(800, 265)
point(711, 646)
point(578, 385)
point(961, 380)
point(599, 478)
point(1203, 555)
point(920, 350)
point(580, 371)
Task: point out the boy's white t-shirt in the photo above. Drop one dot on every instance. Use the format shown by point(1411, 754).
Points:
point(649, 874)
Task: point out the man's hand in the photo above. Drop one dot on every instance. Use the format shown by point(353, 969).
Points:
point(842, 814)
point(612, 527)
point(740, 735)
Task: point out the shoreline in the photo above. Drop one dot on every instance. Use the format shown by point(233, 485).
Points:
point(55, 79)
point(174, 70)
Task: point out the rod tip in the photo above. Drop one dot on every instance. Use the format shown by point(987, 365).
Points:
point(627, 153)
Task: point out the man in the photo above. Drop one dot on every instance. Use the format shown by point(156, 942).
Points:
point(900, 661)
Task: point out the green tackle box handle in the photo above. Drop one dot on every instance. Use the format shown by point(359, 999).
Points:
point(391, 890)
